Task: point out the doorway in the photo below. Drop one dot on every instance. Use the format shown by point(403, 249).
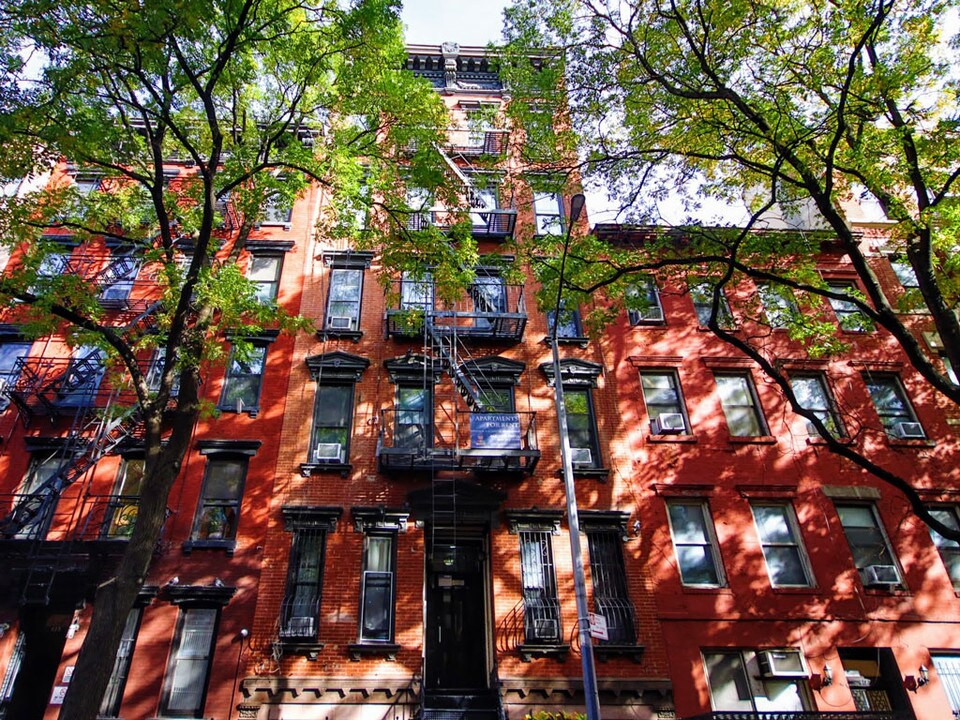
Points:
point(456, 617)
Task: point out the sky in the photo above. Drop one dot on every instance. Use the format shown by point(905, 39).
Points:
point(468, 22)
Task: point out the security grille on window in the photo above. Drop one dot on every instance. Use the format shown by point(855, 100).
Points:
point(849, 315)
point(611, 599)
point(778, 305)
point(113, 697)
point(892, 406)
point(376, 596)
point(541, 605)
point(219, 508)
point(786, 560)
point(702, 292)
point(812, 394)
point(188, 671)
point(949, 549)
point(869, 546)
point(300, 609)
point(661, 394)
point(694, 542)
point(643, 299)
point(241, 387)
point(738, 398)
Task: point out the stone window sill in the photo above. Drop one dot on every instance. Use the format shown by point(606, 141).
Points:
point(358, 650)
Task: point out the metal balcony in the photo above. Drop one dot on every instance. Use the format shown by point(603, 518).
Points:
point(482, 141)
point(489, 224)
point(481, 442)
point(492, 311)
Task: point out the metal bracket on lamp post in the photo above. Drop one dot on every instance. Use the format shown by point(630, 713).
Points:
point(591, 698)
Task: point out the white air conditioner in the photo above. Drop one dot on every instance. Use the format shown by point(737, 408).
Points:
point(908, 430)
point(545, 629)
point(781, 663)
point(668, 423)
point(327, 452)
point(299, 627)
point(340, 322)
point(880, 575)
point(581, 456)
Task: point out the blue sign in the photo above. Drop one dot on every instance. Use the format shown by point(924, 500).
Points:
point(495, 430)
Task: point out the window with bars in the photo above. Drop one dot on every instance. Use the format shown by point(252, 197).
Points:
point(188, 670)
point(611, 598)
point(377, 591)
point(113, 697)
point(694, 543)
point(738, 398)
point(786, 560)
point(949, 549)
point(541, 605)
point(300, 611)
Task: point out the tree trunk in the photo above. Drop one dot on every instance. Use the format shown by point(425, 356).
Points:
point(116, 597)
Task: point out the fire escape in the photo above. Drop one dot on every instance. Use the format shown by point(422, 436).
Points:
point(46, 534)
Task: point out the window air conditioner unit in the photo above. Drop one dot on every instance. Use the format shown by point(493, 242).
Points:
point(880, 575)
point(581, 456)
point(327, 452)
point(299, 627)
point(668, 423)
point(545, 629)
point(340, 322)
point(908, 430)
point(781, 663)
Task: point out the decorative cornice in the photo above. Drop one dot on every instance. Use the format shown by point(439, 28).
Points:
point(599, 520)
point(366, 519)
point(337, 366)
point(311, 517)
point(200, 595)
point(266, 247)
point(229, 447)
point(347, 259)
point(412, 368)
point(534, 520)
point(574, 372)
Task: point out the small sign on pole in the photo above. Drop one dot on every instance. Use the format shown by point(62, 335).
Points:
point(598, 627)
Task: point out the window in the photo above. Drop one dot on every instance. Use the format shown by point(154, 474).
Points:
point(701, 292)
point(219, 508)
point(904, 272)
point(738, 398)
point(949, 549)
point(277, 210)
point(14, 663)
point(541, 605)
point(878, 688)
point(122, 509)
point(811, 393)
point(489, 295)
point(849, 315)
point(694, 543)
point(892, 406)
point(264, 273)
point(155, 374)
point(609, 578)
point(780, 540)
point(416, 292)
point(868, 544)
point(413, 428)
point(643, 302)
point(37, 495)
point(582, 428)
point(420, 202)
point(661, 394)
point(483, 201)
point(947, 668)
point(82, 379)
point(376, 597)
point(548, 208)
point(332, 423)
point(87, 183)
point(10, 353)
point(118, 279)
point(737, 683)
point(569, 326)
point(301, 603)
point(188, 670)
point(241, 387)
point(778, 305)
point(343, 305)
point(110, 707)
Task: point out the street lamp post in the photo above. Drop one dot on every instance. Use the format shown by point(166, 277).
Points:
point(590, 697)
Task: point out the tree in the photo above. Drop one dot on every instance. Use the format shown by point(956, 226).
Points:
point(261, 97)
point(782, 105)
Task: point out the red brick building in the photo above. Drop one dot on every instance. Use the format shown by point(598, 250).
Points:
point(374, 526)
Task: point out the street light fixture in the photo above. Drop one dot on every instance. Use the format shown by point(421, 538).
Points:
point(590, 697)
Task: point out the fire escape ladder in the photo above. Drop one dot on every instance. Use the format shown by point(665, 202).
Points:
point(446, 348)
point(117, 268)
point(473, 197)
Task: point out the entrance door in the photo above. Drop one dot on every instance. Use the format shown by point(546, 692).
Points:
point(456, 625)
